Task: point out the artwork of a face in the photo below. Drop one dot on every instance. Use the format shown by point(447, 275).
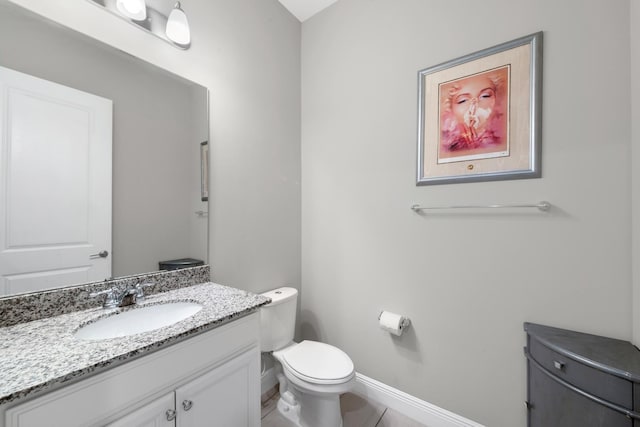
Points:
point(474, 116)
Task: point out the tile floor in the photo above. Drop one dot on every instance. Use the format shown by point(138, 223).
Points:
point(356, 412)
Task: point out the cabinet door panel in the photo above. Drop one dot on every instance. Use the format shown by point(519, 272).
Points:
point(553, 405)
point(152, 415)
point(226, 396)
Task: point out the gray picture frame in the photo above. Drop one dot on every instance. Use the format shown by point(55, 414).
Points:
point(524, 141)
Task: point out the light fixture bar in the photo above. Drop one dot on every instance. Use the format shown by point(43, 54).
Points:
point(154, 23)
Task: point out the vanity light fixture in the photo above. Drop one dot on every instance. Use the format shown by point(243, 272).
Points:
point(133, 9)
point(178, 27)
point(151, 16)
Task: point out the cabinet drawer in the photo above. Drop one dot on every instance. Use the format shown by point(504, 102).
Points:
point(598, 383)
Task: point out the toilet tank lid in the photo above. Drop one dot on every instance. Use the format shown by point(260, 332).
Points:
point(281, 295)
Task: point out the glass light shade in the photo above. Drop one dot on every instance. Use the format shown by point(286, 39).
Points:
point(178, 27)
point(133, 9)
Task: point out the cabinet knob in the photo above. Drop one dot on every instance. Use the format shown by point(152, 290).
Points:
point(187, 404)
point(558, 365)
point(171, 415)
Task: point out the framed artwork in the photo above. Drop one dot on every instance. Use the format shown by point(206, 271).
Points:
point(479, 116)
point(204, 171)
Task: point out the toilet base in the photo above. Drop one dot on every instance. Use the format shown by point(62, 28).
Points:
point(306, 410)
point(289, 411)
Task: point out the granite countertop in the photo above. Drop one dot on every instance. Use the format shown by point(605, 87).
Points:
point(41, 354)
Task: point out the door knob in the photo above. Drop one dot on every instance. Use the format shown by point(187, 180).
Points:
point(102, 254)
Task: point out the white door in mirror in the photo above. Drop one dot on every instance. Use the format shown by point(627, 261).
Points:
point(138, 320)
point(55, 184)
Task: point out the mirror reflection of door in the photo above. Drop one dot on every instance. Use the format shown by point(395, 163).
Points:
point(55, 184)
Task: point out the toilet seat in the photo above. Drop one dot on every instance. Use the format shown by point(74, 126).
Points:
point(317, 363)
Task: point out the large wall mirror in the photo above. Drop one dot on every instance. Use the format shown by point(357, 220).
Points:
point(157, 122)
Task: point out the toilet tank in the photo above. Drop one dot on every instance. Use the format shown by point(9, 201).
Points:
point(278, 319)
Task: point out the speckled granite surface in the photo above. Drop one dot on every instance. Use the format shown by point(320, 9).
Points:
point(43, 353)
point(39, 305)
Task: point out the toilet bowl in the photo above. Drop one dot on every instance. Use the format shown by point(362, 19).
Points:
point(312, 374)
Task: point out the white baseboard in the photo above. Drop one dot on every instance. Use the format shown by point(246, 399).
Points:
point(410, 406)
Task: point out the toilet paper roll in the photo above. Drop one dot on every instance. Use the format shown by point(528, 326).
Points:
point(394, 323)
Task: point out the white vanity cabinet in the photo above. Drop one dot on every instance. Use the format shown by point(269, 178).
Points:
point(221, 397)
point(212, 379)
point(159, 413)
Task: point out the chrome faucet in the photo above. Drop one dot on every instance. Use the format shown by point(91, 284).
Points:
point(140, 287)
point(116, 298)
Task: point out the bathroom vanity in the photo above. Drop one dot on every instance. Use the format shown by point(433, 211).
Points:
point(580, 380)
point(201, 370)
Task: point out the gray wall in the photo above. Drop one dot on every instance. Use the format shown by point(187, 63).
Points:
point(247, 53)
point(254, 47)
point(635, 164)
point(153, 135)
point(467, 280)
point(199, 236)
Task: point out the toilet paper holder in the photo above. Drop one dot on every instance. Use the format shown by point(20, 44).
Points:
point(403, 324)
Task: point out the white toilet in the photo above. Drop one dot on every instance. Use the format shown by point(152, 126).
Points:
point(315, 374)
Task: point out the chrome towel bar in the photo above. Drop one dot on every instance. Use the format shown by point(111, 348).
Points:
point(543, 206)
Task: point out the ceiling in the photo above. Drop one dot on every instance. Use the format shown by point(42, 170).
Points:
point(301, 9)
point(305, 9)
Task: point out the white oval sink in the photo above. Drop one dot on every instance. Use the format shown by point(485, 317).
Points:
point(138, 320)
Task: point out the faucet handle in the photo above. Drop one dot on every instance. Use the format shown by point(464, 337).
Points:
point(140, 289)
point(111, 300)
